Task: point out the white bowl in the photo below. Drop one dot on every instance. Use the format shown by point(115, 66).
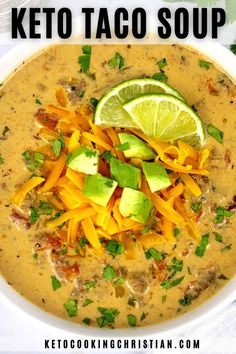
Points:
point(226, 61)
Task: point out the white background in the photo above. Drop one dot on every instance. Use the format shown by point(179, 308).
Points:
point(17, 325)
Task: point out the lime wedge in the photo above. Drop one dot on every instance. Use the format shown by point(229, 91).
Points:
point(166, 117)
point(109, 111)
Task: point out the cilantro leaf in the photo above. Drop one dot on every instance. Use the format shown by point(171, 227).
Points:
point(107, 155)
point(162, 63)
point(26, 155)
point(1, 160)
point(119, 281)
point(37, 101)
point(176, 266)
point(108, 316)
point(34, 215)
point(132, 320)
point(226, 248)
point(233, 48)
point(160, 77)
point(204, 64)
point(90, 284)
point(45, 207)
point(217, 134)
point(86, 321)
point(153, 253)
point(221, 213)
point(122, 147)
point(167, 284)
point(71, 307)
point(196, 207)
point(115, 247)
point(57, 145)
point(201, 248)
point(93, 102)
point(109, 272)
point(56, 284)
point(82, 242)
point(143, 316)
point(84, 60)
point(176, 231)
point(186, 300)
point(87, 302)
point(218, 237)
point(117, 61)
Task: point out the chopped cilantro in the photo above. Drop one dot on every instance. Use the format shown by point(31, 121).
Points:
point(221, 213)
point(5, 130)
point(57, 215)
point(84, 60)
point(82, 242)
point(93, 102)
point(71, 307)
point(145, 230)
point(82, 94)
point(143, 316)
point(35, 256)
point(201, 248)
point(196, 207)
point(167, 284)
point(45, 207)
point(1, 160)
point(57, 145)
point(132, 320)
point(160, 77)
point(204, 64)
point(109, 272)
point(217, 134)
point(233, 48)
point(107, 155)
point(108, 316)
point(56, 284)
point(109, 183)
point(115, 247)
point(26, 155)
point(87, 302)
point(176, 231)
point(186, 300)
point(153, 253)
point(117, 61)
point(218, 237)
point(34, 215)
point(37, 101)
point(226, 248)
point(176, 266)
point(90, 153)
point(163, 298)
point(90, 284)
point(122, 147)
point(119, 281)
point(162, 63)
point(63, 250)
point(38, 159)
point(132, 301)
point(189, 271)
point(86, 321)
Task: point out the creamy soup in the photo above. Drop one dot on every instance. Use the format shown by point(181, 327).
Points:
point(135, 283)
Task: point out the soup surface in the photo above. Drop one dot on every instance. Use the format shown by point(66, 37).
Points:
point(138, 287)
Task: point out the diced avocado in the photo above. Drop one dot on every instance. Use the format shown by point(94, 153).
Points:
point(135, 205)
point(84, 159)
point(136, 147)
point(125, 174)
point(156, 176)
point(99, 188)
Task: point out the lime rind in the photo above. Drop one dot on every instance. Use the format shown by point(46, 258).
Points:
point(166, 117)
point(110, 112)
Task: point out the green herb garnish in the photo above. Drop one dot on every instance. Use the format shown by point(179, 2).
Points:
point(196, 207)
point(143, 316)
point(56, 284)
point(117, 61)
point(35, 256)
point(26, 155)
point(153, 253)
point(37, 101)
point(163, 298)
point(119, 281)
point(1, 160)
point(218, 237)
point(86, 321)
point(90, 284)
point(63, 250)
point(176, 232)
point(221, 213)
point(82, 242)
point(160, 77)
point(201, 248)
point(162, 63)
point(132, 320)
point(57, 145)
point(45, 207)
point(176, 266)
point(204, 64)
point(34, 215)
point(93, 102)
point(226, 248)
point(71, 307)
point(233, 48)
point(186, 300)
point(87, 302)
point(109, 272)
point(84, 60)
point(167, 284)
point(108, 316)
point(107, 155)
point(217, 134)
point(115, 247)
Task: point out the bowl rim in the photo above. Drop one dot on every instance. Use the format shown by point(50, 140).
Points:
point(225, 61)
